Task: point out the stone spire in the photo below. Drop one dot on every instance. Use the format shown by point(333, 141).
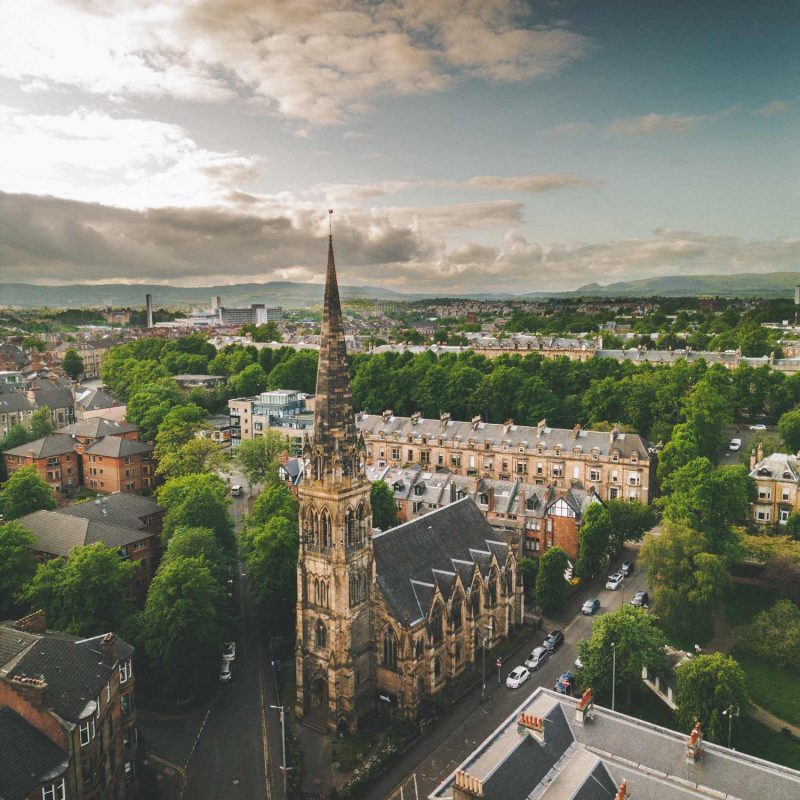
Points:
point(336, 439)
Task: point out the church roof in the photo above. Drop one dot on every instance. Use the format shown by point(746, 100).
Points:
point(411, 558)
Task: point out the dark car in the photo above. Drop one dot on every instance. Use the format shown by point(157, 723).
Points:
point(565, 683)
point(553, 640)
point(640, 599)
point(590, 606)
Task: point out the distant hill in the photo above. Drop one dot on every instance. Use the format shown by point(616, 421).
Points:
point(745, 284)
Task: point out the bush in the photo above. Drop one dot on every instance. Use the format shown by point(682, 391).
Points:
point(774, 635)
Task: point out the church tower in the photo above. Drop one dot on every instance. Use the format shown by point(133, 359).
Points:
point(334, 654)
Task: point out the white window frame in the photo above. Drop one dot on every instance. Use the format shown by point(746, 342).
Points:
point(88, 729)
point(55, 791)
point(124, 672)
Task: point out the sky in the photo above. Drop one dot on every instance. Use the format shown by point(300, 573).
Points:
point(464, 145)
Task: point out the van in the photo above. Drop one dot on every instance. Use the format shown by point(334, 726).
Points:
point(236, 490)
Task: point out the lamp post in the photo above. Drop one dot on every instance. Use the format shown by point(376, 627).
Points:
point(284, 768)
point(730, 712)
point(483, 681)
point(613, 674)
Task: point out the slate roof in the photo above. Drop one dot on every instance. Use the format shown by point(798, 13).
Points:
point(14, 402)
point(12, 643)
point(114, 447)
point(58, 533)
point(412, 552)
point(27, 757)
point(96, 427)
point(53, 396)
point(55, 445)
point(122, 509)
point(90, 399)
point(778, 466)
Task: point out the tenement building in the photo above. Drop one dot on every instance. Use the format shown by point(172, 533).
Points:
point(614, 464)
point(394, 615)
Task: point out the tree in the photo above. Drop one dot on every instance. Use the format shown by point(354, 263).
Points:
point(149, 405)
point(72, 364)
point(384, 511)
point(707, 685)
point(179, 425)
point(276, 500)
point(184, 626)
point(25, 492)
point(298, 371)
point(258, 458)
point(251, 380)
point(551, 584)
point(200, 542)
point(17, 563)
point(630, 520)
point(200, 454)
point(85, 594)
point(638, 640)
point(266, 333)
point(197, 501)
point(774, 635)
point(593, 541)
point(679, 451)
point(789, 429)
point(41, 423)
point(792, 527)
point(16, 436)
point(685, 578)
point(527, 570)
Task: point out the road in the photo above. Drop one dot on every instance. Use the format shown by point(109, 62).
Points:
point(743, 432)
point(453, 738)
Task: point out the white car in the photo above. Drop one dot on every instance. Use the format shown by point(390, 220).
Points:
point(229, 653)
point(236, 490)
point(759, 426)
point(736, 444)
point(615, 581)
point(226, 671)
point(517, 677)
point(537, 657)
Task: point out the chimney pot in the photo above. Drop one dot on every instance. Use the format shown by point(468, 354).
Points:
point(35, 622)
point(108, 649)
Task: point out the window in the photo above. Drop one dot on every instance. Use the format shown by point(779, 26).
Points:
point(389, 649)
point(532, 544)
point(594, 474)
point(764, 494)
point(558, 470)
point(784, 518)
point(410, 454)
point(455, 459)
point(396, 453)
point(416, 507)
point(322, 635)
point(123, 671)
point(87, 770)
point(55, 791)
point(437, 668)
point(86, 731)
point(436, 625)
point(126, 704)
point(785, 494)
point(762, 515)
point(455, 614)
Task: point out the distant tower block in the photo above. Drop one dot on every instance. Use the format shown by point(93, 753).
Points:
point(797, 295)
point(216, 302)
point(149, 304)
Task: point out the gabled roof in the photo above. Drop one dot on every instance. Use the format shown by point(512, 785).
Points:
point(54, 445)
point(96, 427)
point(14, 402)
point(90, 399)
point(27, 757)
point(778, 466)
point(123, 509)
point(408, 556)
point(114, 447)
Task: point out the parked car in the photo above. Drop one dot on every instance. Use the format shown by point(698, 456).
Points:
point(736, 444)
point(590, 606)
point(565, 684)
point(229, 652)
point(538, 656)
point(553, 640)
point(226, 671)
point(236, 490)
point(615, 581)
point(626, 568)
point(759, 426)
point(517, 677)
point(640, 599)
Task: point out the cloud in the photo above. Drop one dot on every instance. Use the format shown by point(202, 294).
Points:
point(92, 155)
point(58, 240)
point(530, 183)
point(320, 61)
point(650, 124)
point(567, 129)
point(773, 108)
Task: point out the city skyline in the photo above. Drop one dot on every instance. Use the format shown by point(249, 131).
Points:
point(465, 146)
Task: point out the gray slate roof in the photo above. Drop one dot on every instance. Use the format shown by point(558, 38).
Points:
point(90, 399)
point(122, 509)
point(14, 402)
point(55, 445)
point(407, 556)
point(96, 427)
point(114, 447)
point(27, 757)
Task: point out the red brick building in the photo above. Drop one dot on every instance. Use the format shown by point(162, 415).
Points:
point(54, 458)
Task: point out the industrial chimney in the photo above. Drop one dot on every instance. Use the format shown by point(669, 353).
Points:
point(148, 300)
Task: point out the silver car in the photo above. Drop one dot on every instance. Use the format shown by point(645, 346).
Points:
point(537, 657)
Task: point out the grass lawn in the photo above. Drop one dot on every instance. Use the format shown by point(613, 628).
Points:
point(763, 742)
point(702, 634)
point(745, 601)
point(775, 689)
point(350, 751)
point(645, 705)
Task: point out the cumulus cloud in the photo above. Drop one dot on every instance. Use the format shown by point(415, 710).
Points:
point(61, 240)
point(773, 108)
point(650, 124)
point(313, 60)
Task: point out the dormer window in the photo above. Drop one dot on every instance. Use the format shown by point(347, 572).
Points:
point(483, 499)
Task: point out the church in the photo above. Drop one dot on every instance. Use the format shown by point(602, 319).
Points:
point(384, 617)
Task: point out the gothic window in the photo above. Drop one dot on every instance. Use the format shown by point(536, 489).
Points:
point(457, 653)
point(509, 576)
point(419, 648)
point(321, 592)
point(349, 528)
point(389, 649)
point(475, 599)
point(491, 590)
point(436, 625)
point(322, 635)
point(312, 527)
point(437, 668)
point(455, 613)
point(326, 529)
point(358, 588)
point(361, 514)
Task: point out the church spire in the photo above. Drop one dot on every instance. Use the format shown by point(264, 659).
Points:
point(335, 436)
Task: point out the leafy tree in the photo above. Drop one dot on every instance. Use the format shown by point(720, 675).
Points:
point(184, 626)
point(630, 520)
point(384, 511)
point(85, 594)
point(17, 563)
point(200, 454)
point(251, 380)
point(149, 405)
point(276, 500)
point(298, 371)
point(264, 333)
point(707, 685)
point(528, 569)
point(774, 635)
point(179, 426)
point(72, 364)
point(593, 541)
point(200, 542)
point(258, 458)
point(789, 429)
point(639, 643)
point(792, 527)
point(25, 492)
point(768, 445)
point(551, 585)
point(679, 451)
point(41, 423)
point(685, 578)
point(16, 436)
point(197, 501)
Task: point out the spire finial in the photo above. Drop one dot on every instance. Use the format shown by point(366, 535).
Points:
point(330, 223)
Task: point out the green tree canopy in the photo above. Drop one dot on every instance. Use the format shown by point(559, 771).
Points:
point(150, 403)
point(72, 364)
point(258, 458)
point(250, 381)
point(86, 594)
point(528, 569)
point(276, 500)
point(178, 427)
point(551, 585)
point(708, 685)
point(25, 492)
point(630, 520)
point(639, 643)
point(41, 423)
point(594, 542)
point(789, 429)
point(774, 635)
point(17, 563)
point(384, 511)
point(195, 542)
point(200, 454)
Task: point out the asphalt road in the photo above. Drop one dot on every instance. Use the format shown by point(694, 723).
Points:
point(451, 739)
point(743, 432)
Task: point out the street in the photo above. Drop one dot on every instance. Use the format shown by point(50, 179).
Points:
point(454, 737)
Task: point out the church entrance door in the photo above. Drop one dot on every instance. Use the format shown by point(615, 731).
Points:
point(319, 693)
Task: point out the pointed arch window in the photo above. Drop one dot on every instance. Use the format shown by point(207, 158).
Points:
point(358, 587)
point(456, 613)
point(325, 529)
point(419, 648)
point(312, 527)
point(509, 578)
point(349, 528)
point(389, 649)
point(491, 590)
point(475, 599)
point(437, 668)
point(361, 516)
point(457, 653)
point(322, 635)
point(437, 629)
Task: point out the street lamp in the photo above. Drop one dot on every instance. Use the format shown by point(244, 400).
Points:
point(284, 768)
point(483, 682)
point(613, 674)
point(730, 712)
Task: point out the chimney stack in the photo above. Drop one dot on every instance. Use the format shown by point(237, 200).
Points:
point(108, 649)
point(622, 792)
point(32, 623)
point(760, 454)
point(540, 426)
point(532, 723)
point(31, 689)
point(445, 417)
point(507, 426)
point(387, 415)
point(752, 460)
point(694, 744)
point(466, 787)
point(476, 420)
point(576, 430)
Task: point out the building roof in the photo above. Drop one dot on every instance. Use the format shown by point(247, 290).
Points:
point(14, 402)
point(122, 509)
point(778, 466)
point(55, 445)
point(114, 447)
point(58, 533)
point(407, 556)
point(588, 761)
point(97, 427)
point(27, 756)
point(93, 398)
